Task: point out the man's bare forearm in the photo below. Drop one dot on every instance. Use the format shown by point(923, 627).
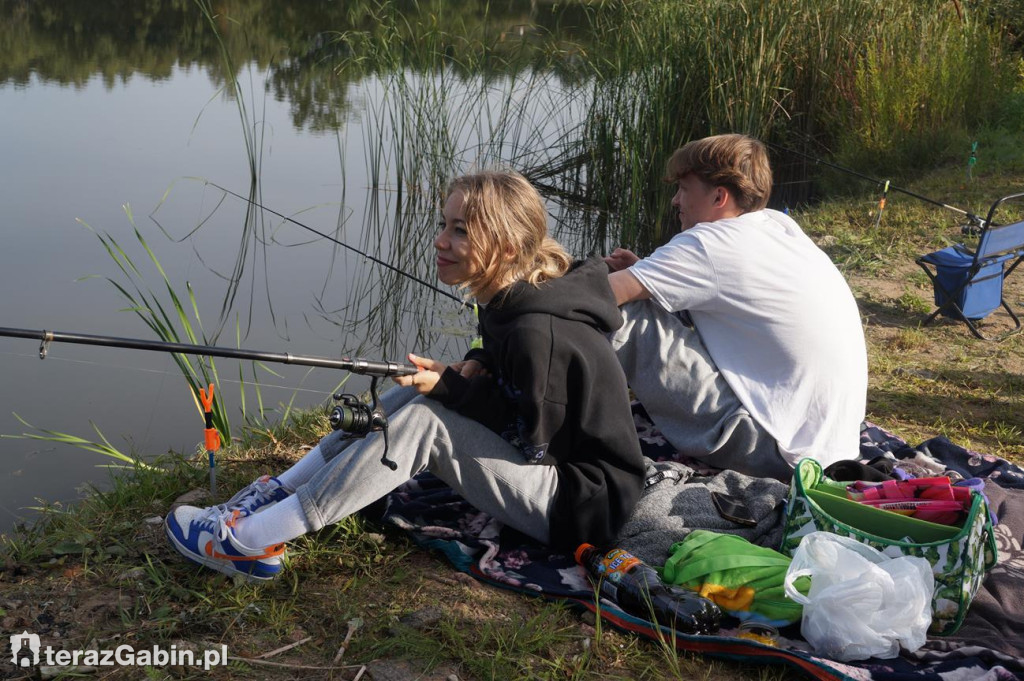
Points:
point(627, 287)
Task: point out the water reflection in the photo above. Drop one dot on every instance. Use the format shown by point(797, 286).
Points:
point(299, 45)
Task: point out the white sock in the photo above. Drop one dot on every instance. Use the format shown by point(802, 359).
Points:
point(279, 523)
point(303, 469)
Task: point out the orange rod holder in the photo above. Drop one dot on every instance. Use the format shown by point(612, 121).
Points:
point(881, 204)
point(212, 437)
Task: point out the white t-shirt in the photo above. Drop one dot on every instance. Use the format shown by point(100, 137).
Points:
point(780, 322)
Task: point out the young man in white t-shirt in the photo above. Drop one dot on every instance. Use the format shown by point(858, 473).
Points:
point(741, 338)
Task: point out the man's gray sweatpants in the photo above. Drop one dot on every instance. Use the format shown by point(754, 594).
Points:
point(686, 396)
point(424, 435)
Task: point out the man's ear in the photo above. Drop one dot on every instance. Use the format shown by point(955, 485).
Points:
point(721, 197)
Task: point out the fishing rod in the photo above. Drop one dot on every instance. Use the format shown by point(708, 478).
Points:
point(351, 415)
point(356, 366)
point(323, 235)
point(975, 221)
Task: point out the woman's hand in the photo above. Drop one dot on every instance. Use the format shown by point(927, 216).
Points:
point(620, 259)
point(426, 378)
point(468, 368)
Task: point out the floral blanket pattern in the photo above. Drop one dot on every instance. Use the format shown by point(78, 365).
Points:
point(989, 646)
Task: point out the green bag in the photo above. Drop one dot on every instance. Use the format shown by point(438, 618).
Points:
point(745, 580)
point(959, 556)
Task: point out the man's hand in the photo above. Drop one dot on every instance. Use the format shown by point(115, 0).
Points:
point(620, 259)
point(426, 378)
point(468, 368)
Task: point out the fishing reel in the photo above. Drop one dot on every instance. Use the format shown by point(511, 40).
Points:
point(358, 419)
point(354, 416)
point(973, 227)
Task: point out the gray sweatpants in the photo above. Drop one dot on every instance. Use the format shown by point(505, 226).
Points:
point(674, 377)
point(424, 435)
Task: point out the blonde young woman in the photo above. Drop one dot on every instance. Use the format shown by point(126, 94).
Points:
point(534, 428)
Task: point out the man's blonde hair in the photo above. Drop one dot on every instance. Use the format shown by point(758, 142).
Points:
point(737, 162)
point(507, 229)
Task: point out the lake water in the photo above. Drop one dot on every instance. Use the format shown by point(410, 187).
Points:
point(108, 118)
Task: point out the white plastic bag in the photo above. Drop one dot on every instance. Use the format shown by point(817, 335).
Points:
point(861, 603)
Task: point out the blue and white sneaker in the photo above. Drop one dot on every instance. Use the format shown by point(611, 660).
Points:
point(207, 536)
point(259, 495)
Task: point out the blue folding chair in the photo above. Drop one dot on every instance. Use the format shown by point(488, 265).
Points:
point(968, 284)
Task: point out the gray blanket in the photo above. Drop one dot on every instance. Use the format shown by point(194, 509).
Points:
point(681, 501)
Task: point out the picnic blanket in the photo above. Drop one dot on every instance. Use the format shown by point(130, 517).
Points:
point(989, 646)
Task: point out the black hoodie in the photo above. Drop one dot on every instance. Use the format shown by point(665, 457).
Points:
point(557, 391)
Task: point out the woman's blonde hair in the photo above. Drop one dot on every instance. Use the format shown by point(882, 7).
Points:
point(508, 231)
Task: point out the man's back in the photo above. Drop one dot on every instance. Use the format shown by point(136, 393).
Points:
point(780, 322)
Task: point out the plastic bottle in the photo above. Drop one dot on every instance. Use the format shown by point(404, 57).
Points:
point(637, 589)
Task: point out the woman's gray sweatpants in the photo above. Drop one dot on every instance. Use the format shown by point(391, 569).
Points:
point(424, 435)
point(687, 398)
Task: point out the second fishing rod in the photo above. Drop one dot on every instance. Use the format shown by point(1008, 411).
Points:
point(328, 237)
point(975, 223)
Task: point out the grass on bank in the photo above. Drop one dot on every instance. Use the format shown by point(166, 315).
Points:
point(103, 572)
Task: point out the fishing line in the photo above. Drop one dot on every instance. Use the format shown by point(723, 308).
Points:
point(323, 235)
point(975, 220)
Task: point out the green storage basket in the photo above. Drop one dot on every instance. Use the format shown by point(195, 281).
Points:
point(959, 556)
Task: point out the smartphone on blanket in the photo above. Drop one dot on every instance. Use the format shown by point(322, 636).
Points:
point(731, 508)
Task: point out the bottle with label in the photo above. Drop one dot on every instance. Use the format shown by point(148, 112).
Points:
point(637, 589)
